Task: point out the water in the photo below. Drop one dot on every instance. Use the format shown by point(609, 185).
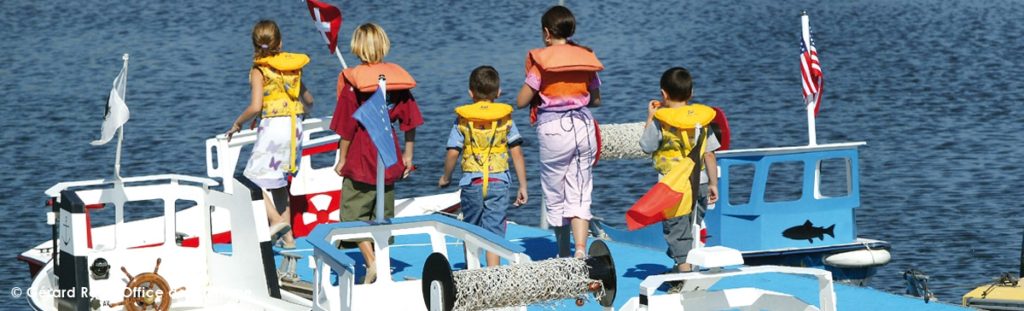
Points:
point(934, 88)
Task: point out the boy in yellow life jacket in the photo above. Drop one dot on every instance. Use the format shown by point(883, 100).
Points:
point(486, 136)
point(673, 130)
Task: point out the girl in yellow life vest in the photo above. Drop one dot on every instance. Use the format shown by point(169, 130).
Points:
point(561, 84)
point(486, 136)
point(278, 98)
point(671, 135)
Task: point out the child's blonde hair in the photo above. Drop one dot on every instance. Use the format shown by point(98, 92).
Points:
point(370, 43)
point(266, 39)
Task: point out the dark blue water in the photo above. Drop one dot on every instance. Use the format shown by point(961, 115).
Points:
point(935, 88)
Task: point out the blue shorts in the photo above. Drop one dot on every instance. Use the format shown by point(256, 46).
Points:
point(489, 212)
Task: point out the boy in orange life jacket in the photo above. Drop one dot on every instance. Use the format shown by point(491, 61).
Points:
point(486, 135)
point(357, 156)
point(666, 143)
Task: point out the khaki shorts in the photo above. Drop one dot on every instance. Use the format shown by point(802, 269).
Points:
point(358, 201)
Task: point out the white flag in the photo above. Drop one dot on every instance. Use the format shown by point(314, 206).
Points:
point(117, 111)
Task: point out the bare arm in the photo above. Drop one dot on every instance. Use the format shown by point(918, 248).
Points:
point(255, 102)
point(449, 166)
point(525, 96)
point(410, 141)
point(711, 165)
point(305, 96)
point(595, 98)
point(520, 165)
point(342, 154)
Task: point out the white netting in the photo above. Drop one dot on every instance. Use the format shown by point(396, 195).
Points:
point(522, 284)
point(622, 141)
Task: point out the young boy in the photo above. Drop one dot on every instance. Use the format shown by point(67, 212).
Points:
point(669, 136)
point(357, 155)
point(486, 136)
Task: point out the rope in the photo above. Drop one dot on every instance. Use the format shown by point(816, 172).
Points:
point(523, 284)
point(620, 141)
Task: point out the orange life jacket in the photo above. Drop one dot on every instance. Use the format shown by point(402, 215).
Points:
point(364, 77)
point(561, 58)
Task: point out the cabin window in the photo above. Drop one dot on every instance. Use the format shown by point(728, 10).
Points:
point(220, 230)
point(785, 182)
point(180, 237)
point(834, 177)
point(323, 159)
point(741, 180)
point(144, 224)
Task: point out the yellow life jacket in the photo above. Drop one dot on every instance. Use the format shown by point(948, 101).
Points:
point(674, 158)
point(282, 84)
point(365, 77)
point(485, 126)
point(677, 132)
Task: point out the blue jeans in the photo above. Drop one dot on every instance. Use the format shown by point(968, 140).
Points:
point(489, 212)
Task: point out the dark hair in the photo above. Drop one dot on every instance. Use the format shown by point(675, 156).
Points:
point(485, 83)
point(677, 83)
point(560, 22)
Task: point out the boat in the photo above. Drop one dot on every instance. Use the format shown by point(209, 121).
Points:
point(217, 255)
point(1005, 293)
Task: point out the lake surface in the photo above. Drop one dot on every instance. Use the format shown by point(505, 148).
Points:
point(934, 88)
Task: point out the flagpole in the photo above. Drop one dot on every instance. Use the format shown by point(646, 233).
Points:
point(120, 130)
point(379, 210)
point(341, 59)
point(810, 100)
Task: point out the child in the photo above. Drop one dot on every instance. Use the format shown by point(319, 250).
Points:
point(668, 136)
point(486, 135)
point(357, 156)
point(278, 97)
point(561, 82)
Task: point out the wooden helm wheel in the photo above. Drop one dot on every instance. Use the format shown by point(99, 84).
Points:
point(147, 290)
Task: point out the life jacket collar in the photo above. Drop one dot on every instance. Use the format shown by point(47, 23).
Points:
point(685, 117)
point(284, 61)
point(484, 111)
point(365, 77)
point(565, 57)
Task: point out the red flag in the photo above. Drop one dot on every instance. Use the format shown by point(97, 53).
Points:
point(327, 19)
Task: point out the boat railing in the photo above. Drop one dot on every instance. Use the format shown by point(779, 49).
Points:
point(222, 155)
point(327, 256)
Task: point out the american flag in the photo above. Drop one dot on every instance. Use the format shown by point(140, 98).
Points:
point(810, 71)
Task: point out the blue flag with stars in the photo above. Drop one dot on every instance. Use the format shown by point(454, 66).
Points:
point(373, 115)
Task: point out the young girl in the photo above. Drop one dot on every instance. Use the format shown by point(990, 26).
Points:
point(561, 83)
point(357, 156)
point(279, 98)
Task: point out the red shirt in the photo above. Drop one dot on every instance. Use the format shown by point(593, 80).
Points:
point(361, 160)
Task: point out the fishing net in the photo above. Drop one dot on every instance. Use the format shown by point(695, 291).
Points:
point(523, 284)
point(622, 141)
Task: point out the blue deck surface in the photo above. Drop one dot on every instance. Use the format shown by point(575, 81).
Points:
point(633, 264)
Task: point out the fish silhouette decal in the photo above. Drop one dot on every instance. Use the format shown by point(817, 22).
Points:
point(808, 231)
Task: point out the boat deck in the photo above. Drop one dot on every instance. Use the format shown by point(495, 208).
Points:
point(633, 264)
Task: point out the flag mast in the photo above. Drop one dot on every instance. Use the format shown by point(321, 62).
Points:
point(809, 101)
point(379, 206)
point(120, 130)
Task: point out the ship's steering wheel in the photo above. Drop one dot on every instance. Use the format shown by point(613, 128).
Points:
point(146, 290)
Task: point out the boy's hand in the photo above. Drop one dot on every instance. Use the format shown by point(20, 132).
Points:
point(521, 197)
point(407, 160)
point(712, 194)
point(652, 107)
point(339, 166)
point(443, 182)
